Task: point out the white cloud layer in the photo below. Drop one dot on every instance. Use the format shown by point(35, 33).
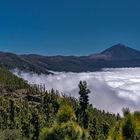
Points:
point(111, 89)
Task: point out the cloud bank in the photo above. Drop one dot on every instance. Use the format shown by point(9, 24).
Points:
point(111, 89)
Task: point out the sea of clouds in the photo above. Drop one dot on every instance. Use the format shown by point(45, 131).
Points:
point(111, 89)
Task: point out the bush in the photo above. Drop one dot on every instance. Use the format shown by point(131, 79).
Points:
point(65, 127)
point(65, 114)
point(65, 131)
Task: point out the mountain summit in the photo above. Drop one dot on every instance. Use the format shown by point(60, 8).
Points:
point(121, 52)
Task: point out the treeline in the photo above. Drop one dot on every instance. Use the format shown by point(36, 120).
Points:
point(10, 82)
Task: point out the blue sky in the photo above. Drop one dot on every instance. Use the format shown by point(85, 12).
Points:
point(68, 27)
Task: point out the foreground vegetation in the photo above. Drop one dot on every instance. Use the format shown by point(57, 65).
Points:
point(29, 112)
point(127, 128)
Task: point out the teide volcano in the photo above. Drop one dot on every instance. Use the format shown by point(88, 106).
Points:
point(121, 52)
point(117, 56)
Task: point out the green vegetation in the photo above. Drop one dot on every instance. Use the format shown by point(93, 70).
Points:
point(29, 112)
point(65, 127)
point(84, 102)
point(127, 128)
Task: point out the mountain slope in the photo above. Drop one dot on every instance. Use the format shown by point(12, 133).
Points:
point(12, 61)
point(117, 56)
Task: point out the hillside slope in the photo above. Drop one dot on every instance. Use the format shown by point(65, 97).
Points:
point(26, 115)
point(12, 61)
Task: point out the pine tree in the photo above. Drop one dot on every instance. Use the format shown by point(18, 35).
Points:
point(35, 123)
point(84, 102)
point(94, 129)
point(12, 114)
point(128, 129)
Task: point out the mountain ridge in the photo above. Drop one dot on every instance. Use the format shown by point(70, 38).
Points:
point(117, 56)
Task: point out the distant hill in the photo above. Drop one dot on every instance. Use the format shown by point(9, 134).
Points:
point(117, 56)
point(12, 61)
